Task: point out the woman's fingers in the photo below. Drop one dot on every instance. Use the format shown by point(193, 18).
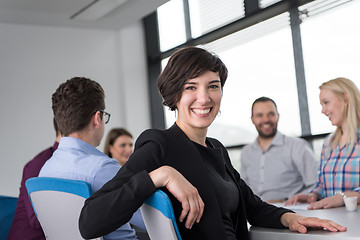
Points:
point(193, 208)
point(329, 202)
point(297, 198)
point(297, 227)
point(299, 223)
point(201, 206)
point(183, 190)
point(321, 223)
point(185, 209)
point(292, 201)
point(193, 213)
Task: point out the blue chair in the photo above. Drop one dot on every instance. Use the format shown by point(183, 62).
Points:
point(57, 203)
point(159, 217)
point(7, 212)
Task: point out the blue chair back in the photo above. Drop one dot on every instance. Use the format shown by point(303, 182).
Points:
point(7, 212)
point(57, 203)
point(159, 217)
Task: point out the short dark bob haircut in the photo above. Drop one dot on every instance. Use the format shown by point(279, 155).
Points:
point(184, 64)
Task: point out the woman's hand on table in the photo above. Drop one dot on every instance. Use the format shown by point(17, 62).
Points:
point(183, 190)
point(303, 198)
point(298, 223)
point(334, 201)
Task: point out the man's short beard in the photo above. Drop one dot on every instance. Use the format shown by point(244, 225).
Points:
point(271, 135)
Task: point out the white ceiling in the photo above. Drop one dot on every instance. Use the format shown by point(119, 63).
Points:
point(59, 12)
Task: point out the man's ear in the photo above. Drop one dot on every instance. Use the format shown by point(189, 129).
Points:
point(96, 120)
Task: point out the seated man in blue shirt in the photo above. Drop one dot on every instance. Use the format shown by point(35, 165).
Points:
point(78, 106)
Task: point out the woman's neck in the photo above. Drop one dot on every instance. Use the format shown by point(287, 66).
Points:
point(197, 135)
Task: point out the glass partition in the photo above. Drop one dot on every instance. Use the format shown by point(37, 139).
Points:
point(331, 37)
point(171, 24)
point(207, 15)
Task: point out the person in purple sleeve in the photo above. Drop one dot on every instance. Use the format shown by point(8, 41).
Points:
point(25, 225)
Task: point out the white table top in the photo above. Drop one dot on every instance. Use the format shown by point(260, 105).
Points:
point(351, 220)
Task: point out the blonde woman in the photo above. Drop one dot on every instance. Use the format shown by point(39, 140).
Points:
point(340, 156)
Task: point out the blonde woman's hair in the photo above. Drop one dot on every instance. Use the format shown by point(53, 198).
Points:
point(345, 90)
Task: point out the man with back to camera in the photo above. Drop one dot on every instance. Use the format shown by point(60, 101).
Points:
point(78, 106)
point(276, 166)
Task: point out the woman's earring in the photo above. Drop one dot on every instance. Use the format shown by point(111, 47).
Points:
point(219, 113)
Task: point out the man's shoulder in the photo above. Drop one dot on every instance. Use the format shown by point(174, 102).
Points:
point(46, 153)
point(298, 147)
point(294, 140)
point(93, 160)
point(40, 158)
point(78, 157)
point(249, 146)
point(81, 166)
point(248, 152)
point(105, 160)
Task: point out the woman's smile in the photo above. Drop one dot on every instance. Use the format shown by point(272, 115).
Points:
point(200, 101)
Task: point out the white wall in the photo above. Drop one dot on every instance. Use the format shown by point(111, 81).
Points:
point(134, 79)
point(34, 60)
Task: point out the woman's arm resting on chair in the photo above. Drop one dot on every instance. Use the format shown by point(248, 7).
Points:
point(187, 194)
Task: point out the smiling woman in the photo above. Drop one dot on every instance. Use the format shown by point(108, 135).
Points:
point(210, 199)
point(199, 104)
point(119, 145)
point(332, 107)
point(340, 156)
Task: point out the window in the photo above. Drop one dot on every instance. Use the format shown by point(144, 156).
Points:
point(260, 63)
point(331, 37)
point(171, 24)
point(266, 3)
point(260, 58)
point(207, 15)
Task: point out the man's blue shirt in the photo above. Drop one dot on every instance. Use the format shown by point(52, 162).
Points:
point(78, 160)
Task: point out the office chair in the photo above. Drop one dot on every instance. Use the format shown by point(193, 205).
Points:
point(159, 218)
point(57, 203)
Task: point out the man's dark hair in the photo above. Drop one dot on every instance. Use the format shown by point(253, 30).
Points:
point(75, 102)
point(56, 128)
point(262, 99)
point(187, 63)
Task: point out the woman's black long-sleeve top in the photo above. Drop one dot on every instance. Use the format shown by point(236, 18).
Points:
point(113, 205)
